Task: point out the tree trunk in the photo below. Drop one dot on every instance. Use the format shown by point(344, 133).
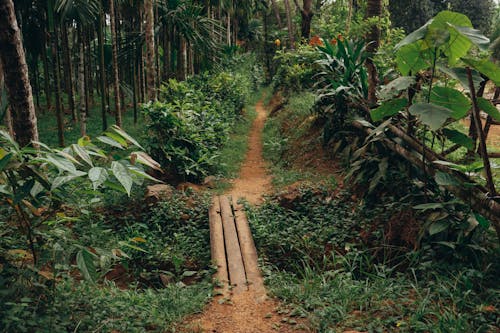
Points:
point(349, 18)
point(7, 116)
point(306, 13)
point(228, 28)
point(276, 11)
point(69, 73)
point(57, 83)
point(102, 70)
point(46, 74)
point(16, 76)
point(150, 50)
point(116, 82)
point(374, 9)
point(291, 39)
point(81, 90)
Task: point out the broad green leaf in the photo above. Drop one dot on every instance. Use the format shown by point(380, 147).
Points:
point(117, 138)
point(473, 167)
point(98, 176)
point(427, 206)
point(451, 99)
point(388, 108)
point(122, 175)
point(430, 114)
point(110, 141)
point(61, 180)
point(145, 159)
point(486, 67)
point(438, 226)
point(445, 179)
point(82, 153)
point(394, 87)
point(126, 136)
point(140, 173)
point(85, 263)
point(456, 45)
point(489, 108)
point(6, 136)
point(409, 59)
point(460, 74)
point(61, 163)
point(459, 138)
point(416, 35)
point(474, 35)
point(126, 244)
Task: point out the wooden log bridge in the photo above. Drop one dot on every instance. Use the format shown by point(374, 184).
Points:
point(233, 249)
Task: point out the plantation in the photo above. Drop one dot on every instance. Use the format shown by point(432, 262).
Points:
point(249, 166)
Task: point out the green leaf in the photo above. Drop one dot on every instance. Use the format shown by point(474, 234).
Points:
point(117, 138)
point(394, 87)
point(59, 181)
point(85, 263)
point(145, 159)
point(444, 179)
point(430, 114)
point(98, 176)
point(110, 141)
point(388, 108)
point(459, 138)
point(409, 59)
point(416, 35)
point(121, 173)
point(126, 136)
point(486, 67)
point(474, 35)
point(61, 163)
point(451, 99)
point(82, 153)
point(460, 74)
point(437, 227)
point(489, 108)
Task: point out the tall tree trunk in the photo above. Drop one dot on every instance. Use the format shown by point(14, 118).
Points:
point(181, 60)
point(373, 9)
point(291, 39)
point(306, 13)
point(16, 76)
point(276, 11)
point(46, 73)
point(69, 73)
point(349, 18)
point(228, 28)
point(150, 49)
point(102, 70)
point(116, 82)
point(57, 83)
point(81, 90)
point(7, 116)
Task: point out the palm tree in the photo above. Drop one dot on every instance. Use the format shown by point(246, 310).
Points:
point(373, 9)
point(16, 76)
point(150, 50)
point(116, 77)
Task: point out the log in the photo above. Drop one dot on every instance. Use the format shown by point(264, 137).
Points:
point(217, 247)
point(235, 265)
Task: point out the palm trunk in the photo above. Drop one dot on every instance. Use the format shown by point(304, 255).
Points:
point(374, 9)
point(57, 79)
point(69, 73)
point(150, 50)
point(46, 74)
point(81, 90)
point(16, 76)
point(116, 82)
point(102, 70)
point(291, 39)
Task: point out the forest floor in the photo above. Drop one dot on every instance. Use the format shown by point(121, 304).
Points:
point(246, 312)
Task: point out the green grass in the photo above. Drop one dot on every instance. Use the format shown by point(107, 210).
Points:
point(47, 125)
point(317, 263)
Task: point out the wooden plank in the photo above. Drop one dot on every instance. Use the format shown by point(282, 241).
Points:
point(249, 252)
point(234, 259)
point(217, 246)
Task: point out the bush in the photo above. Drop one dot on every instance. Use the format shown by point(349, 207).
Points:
point(187, 129)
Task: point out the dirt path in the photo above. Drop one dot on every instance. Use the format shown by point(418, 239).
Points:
point(254, 181)
point(248, 311)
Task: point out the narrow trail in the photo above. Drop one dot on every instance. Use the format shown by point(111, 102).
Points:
point(249, 311)
point(253, 181)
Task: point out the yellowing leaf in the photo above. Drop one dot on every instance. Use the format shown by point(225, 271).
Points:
point(138, 240)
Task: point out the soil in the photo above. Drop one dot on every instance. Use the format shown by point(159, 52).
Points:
point(247, 312)
point(254, 180)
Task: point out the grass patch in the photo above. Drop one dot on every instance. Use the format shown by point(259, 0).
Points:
point(318, 262)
